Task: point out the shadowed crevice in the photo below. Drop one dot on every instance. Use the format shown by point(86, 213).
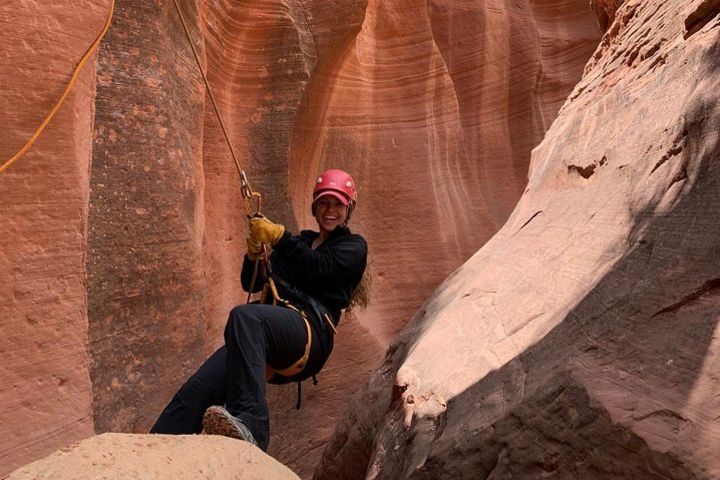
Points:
point(701, 16)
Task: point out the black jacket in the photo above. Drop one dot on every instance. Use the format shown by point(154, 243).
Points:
point(328, 274)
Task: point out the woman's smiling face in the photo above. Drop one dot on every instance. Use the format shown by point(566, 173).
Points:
point(330, 212)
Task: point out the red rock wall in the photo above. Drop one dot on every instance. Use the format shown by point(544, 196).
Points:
point(145, 284)
point(45, 388)
point(581, 340)
point(435, 110)
point(433, 107)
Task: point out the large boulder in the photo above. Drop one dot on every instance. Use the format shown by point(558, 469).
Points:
point(581, 340)
point(116, 456)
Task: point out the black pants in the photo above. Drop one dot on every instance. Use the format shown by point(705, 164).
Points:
point(234, 376)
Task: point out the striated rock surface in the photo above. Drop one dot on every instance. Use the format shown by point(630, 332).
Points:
point(144, 251)
point(433, 106)
point(157, 457)
point(581, 340)
point(44, 381)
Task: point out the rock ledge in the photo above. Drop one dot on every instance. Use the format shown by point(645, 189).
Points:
point(176, 457)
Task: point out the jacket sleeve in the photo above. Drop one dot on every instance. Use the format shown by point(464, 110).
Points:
point(344, 260)
point(246, 276)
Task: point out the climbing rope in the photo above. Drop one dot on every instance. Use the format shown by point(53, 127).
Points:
point(209, 90)
point(247, 192)
point(65, 93)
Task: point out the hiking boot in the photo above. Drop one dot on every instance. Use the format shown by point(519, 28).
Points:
point(218, 421)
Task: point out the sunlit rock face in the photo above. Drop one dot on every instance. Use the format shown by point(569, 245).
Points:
point(580, 341)
point(160, 457)
point(434, 107)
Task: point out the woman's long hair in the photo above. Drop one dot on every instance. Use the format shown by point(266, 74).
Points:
point(360, 297)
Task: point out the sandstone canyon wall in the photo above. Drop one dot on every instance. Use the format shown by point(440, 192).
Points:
point(433, 106)
point(581, 341)
point(146, 289)
point(45, 386)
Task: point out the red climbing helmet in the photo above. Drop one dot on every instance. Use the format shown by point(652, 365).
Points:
point(337, 183)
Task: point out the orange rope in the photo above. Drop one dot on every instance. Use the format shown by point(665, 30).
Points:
point(54, 110)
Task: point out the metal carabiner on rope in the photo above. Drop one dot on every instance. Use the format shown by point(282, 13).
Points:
point(253, 206)
point(248, 195)
point(253, 209)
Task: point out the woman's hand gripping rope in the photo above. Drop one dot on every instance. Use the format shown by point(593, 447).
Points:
point(261, 233)
point(255, 250)
point(262, 230)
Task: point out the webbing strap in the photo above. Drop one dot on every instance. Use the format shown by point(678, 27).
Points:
point(64, 95)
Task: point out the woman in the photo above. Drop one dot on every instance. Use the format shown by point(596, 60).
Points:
point(316, 275)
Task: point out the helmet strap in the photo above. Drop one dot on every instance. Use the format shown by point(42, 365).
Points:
point(350, 207)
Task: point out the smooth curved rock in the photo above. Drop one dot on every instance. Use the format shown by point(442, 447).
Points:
point(172, 457)
point(581, 340)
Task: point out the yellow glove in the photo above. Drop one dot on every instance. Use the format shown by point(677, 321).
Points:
point(254, 249)
point(263, 230)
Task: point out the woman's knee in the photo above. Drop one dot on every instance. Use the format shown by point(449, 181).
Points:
point(238, 314)
point(242, 320)
point(238, 311)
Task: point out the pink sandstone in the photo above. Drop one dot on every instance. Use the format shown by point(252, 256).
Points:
point(157, 457)
point(581, 340)
point(45, 387)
